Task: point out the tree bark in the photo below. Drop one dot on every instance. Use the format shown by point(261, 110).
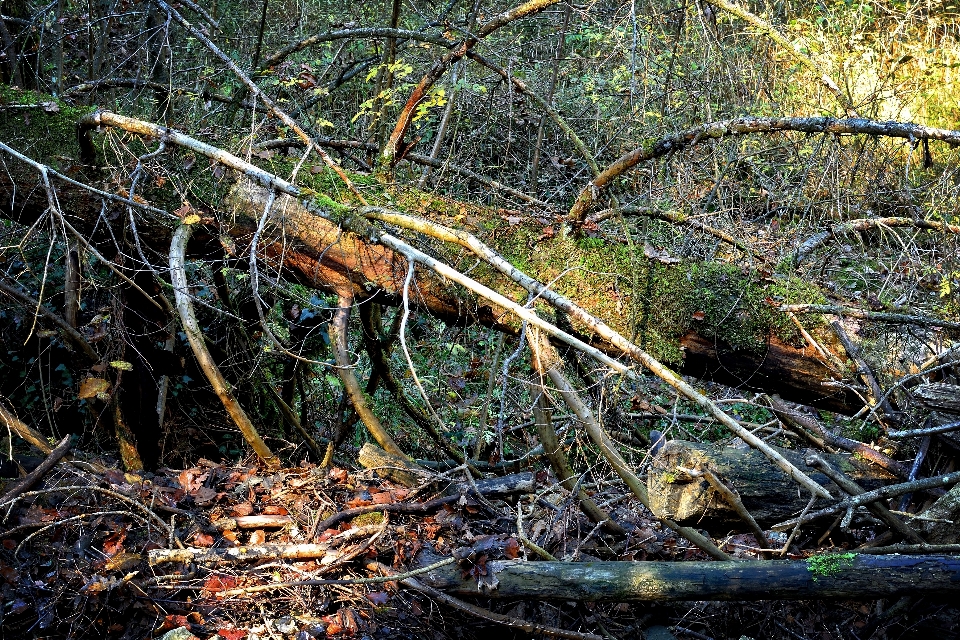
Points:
point(826, 577)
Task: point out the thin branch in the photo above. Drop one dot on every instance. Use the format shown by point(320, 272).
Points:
point(191, 327)
point(744, 126)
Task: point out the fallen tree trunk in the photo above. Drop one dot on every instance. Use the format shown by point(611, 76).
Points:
point(324, 255)
point(824, 577)
point(767, 492)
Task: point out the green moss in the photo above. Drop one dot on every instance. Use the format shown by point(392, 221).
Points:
point(46, 132)
point(829, 564)
point(374, 517)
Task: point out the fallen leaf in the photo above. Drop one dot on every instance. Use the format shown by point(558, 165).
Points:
point(378, 598)
point(242, 509)
point(699, 315)
point(232, 634)
point(172, 621)
point(203, 540)
point(511, 549)
point(274, 510)
point(114, 542)
point(218, 583)
point(383, 497)
point(258, 537)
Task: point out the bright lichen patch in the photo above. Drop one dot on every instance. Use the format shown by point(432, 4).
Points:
point(829, 564)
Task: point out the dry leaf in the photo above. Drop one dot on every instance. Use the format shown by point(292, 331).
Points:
point(258, 537)
point(91, 387)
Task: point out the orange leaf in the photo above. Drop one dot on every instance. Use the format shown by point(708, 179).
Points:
point(699, 315)
point(258, 537)
point(232, 634)
point(383, 497)
point(242, 509)
point(273, 510)
point(203, 540)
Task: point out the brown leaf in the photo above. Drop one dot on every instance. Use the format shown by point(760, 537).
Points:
point(258, 537)
point(232, 634)
point(203, 496)
point(91, 387)
point(242, 509)
point(274, 510)
point(511, 549)
point(378, 598)
point(383, 497)
point(203, 540)
point(699, 315)
point(114, 542)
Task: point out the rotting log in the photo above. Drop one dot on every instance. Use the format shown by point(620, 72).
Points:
point(766, 492)
point(795, 373)
point(834, 576)
point(327, 257)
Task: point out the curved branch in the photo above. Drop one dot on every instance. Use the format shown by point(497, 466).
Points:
point(339, 329)
point(744, 126)
point(864, 224)
point(191, 327)
point(389, 154)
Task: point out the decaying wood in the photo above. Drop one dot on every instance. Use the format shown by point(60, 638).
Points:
point(825, 577)
point(941, 522)
point(939, 396)
point(854, 489)
point(889, 491)
point(387, 465)
point(805, 422)
point(766, 492)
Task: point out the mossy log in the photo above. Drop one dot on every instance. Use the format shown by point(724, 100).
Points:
point(681, 312)
point(766, 491)
point(825, 577)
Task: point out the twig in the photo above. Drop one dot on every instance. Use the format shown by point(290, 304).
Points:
point(852, 488)
point(31, 478)
point(882, 493)
point(909, 433)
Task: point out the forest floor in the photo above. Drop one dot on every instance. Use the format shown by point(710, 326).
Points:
point(86, 555)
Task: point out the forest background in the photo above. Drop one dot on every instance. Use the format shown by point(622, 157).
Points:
point(289, 229)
